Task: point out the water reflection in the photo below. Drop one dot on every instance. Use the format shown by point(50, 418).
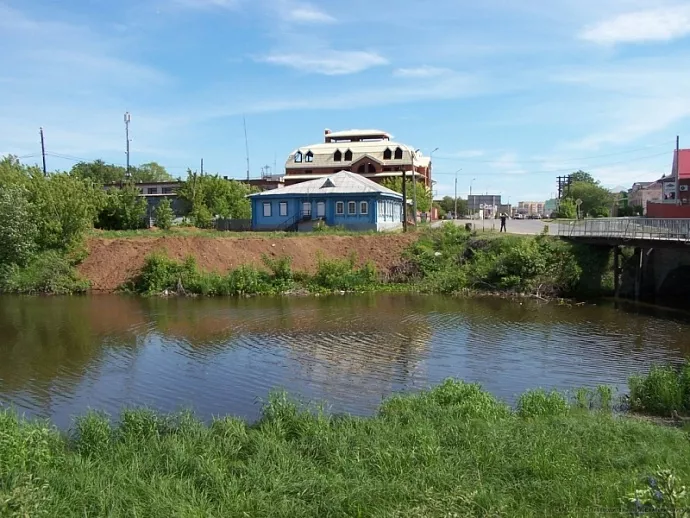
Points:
point(59, 356)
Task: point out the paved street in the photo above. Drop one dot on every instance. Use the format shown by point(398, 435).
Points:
point(514, 226)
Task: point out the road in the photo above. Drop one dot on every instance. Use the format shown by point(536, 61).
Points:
point(513, 226)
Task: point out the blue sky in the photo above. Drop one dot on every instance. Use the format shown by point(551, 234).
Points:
point(514, 93)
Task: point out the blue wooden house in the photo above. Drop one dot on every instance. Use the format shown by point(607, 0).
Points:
point(342, 199)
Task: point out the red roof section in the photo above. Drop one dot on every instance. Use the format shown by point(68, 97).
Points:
point(684, 164)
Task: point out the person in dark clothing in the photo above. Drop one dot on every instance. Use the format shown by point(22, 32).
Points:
point(503, 222)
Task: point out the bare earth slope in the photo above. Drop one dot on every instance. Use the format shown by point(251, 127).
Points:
point(112, 261)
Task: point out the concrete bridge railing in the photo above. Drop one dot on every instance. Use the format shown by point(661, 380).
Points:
point(627, 228)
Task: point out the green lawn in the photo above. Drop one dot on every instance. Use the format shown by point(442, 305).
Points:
point(454, 451)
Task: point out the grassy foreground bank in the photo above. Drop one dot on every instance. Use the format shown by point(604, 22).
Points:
point(452, 451)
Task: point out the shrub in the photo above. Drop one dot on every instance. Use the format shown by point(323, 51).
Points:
point(18, 231)
point(48, 272)
point(662, 391)
point(539, 403)
point(164, 215)
point(123, 209)
point(343, 275)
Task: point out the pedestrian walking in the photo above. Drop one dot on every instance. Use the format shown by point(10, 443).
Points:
point(504, 216)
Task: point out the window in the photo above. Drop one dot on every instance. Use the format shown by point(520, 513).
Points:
point(363, 207)
point(298, 156)
point(340, 208)
point(348, 156)
point(362, 168)
point(309, 157)
point(387, 154)
point(282, 208)
point(351, 207)
point(168, 190)
point(398, 154)
point(152, 190)
point(338, 156)
point(321, 209)
point(267, 209)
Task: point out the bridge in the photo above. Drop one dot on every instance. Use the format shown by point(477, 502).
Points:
point(661, 261)
point(635, 232)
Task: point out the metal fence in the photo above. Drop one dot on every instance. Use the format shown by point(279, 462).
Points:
point(627, 228)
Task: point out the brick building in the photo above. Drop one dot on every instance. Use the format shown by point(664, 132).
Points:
point(371, 153)
point(643, 193)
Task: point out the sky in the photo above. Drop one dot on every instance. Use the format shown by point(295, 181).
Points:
point(513, 94)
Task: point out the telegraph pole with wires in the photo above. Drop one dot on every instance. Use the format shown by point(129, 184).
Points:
point(128, 119)
point(43, 151)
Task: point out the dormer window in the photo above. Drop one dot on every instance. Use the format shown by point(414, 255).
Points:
point(309, 157)
point(387, 154)
point(338, 156)
point(348, 156)
point(298, 157)
point(398, 154)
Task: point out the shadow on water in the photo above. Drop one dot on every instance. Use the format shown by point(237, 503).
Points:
point(60, 356)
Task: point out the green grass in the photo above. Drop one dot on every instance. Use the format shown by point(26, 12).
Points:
point(452, 451)
point(664, 390)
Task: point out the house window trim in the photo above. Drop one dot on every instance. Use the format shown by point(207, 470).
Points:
point(320, 205)
point(298, 157)
point(388, 154)
point(364, 205)
point(351, 212)
point(337, 156)
point(267, 205)
point(309, 157)
point(398, 155)
point(348, 152)
point(282, 205)
point(339, 208)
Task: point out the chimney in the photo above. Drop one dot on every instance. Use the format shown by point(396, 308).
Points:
point(327, 132)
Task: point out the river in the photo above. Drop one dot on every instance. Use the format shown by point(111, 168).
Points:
point(62, 356)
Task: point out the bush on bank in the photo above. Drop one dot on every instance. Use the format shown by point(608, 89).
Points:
point(665, 390)
point(451, 451)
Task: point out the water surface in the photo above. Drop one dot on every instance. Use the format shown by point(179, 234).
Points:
point(62, 356)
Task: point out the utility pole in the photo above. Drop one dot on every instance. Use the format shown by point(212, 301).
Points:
point(455, 208)
point(246, 144)
point(677, 163)
point(202, 167)
point(414, 188)
point(128, 118)
point(404, 193)
point(43, 152)
point(468, 200)
point(431, 183)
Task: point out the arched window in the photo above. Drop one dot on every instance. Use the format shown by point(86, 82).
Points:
point(309, 157)
point(337, 156)
point(362, 168)
point(371, 168)
point(387, 154)
point(298, 156)
point(398, 154)
point(348, 156)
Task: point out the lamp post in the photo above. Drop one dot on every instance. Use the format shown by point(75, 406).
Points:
point(414, 187)
point(428, 180)
point(455, 209)
point(468, 198)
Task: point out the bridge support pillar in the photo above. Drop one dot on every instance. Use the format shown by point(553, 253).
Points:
point(616, 270)
point(639, 257)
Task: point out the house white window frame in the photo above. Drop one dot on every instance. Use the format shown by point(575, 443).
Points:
point(320, 209)
point(267, 205)
point(298, 157)
point(283, 208)
point(309, 156)
point(351, 212)
point(365, 206)
point(339, 208)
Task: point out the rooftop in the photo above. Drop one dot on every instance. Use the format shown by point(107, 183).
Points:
point(358, 133)
point(683, 163)
point(343, 182)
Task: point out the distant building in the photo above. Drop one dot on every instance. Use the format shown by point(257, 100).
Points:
point(550, 206)
point(370, 153)
point(643, 193)
point(343, 199)
point(487, 205)
point(530, 208)
point(675, 202)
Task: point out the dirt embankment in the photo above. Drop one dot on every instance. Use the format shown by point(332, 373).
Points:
point(111, 262)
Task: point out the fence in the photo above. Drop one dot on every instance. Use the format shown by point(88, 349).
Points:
point(627, 228)
point(234, 225)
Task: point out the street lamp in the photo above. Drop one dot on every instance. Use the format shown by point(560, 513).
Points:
point(455, 210)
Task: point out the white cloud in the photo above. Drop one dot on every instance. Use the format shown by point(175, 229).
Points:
point(658, 24)
point(422, 72)
point(328, 62)
point(309, 14)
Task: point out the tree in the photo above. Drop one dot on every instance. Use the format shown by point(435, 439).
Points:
point(207, 197)
point(581, 176)
point(150, 172)
point(18, 230)
point(448, 205)
point(423, 194)
point(596, 200)
point(164, 215)
point(99, 172)
point(567, 209)
point(123, 209)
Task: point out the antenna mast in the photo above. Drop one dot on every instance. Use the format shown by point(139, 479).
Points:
point(246, 144)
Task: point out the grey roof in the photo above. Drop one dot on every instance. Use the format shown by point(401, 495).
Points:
point(343, 182)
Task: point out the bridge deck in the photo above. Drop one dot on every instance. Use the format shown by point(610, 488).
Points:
point(627, 229)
